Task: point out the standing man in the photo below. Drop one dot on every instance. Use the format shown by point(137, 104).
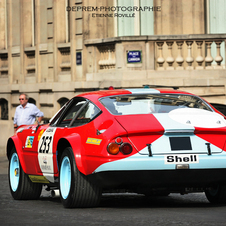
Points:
point(26, 113)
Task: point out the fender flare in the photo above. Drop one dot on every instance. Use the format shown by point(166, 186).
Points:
point(75, 142)
point(14, 141)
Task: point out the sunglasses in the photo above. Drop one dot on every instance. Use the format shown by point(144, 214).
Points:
point(21, 99)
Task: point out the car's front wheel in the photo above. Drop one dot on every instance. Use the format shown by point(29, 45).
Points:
point(20, 185)
point(217, 194)
point(75, 188)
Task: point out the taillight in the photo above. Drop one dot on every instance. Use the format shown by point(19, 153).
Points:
point(126, 148)
point(113, 148)
point(118, 140)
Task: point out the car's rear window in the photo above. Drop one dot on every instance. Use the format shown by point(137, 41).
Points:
point(151, 103)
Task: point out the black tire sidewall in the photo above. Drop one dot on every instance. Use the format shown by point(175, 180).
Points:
point(219, 197)
point(26, 190)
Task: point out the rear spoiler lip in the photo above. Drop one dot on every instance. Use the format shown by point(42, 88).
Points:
point(179, 131)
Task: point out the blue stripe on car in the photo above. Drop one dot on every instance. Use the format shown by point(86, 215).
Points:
point(143, 91)
point(157, 162)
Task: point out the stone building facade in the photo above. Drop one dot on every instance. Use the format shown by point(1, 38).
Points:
point(55, 49)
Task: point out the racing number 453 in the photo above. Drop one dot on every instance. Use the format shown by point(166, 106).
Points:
point(45, 145)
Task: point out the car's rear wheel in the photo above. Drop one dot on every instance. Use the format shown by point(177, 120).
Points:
point(20, 185)
point(75, 188)
point(217, 194)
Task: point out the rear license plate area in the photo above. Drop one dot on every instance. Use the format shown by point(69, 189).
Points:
point(180, 143)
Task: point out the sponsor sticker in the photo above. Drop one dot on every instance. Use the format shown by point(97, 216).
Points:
point(93, 141)
point(181, 159)
point(29, 142)
point(40, 134)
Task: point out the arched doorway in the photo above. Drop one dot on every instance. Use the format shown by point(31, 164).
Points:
point(4, 109)
point(32, 101)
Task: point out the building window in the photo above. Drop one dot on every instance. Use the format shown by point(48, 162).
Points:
point(135, 22)
point(146, 18)
point(3, 65)
point(216, 19)
point(30, 62)
point(4, 109)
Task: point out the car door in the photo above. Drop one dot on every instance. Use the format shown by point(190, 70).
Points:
point(86, 125)
point(48, 139)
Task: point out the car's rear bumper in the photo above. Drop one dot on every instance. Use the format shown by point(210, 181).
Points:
point(202, 170)
point(168, 179)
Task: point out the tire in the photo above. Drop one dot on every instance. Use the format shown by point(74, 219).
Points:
point(21, 187)
point(217, 195)
point(75, 188)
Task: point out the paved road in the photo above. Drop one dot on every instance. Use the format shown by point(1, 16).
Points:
point(3, 165)
point(122, 209)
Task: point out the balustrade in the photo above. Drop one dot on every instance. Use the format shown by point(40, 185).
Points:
point(181, 52)
point(201, 62)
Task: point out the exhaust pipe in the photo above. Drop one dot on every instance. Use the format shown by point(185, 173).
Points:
point(55, 193)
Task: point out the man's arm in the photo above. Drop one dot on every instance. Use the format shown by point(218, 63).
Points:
point(37, 113)
point(40, 119)
point(15, 128)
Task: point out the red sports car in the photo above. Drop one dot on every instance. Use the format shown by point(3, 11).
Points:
point(149, 141)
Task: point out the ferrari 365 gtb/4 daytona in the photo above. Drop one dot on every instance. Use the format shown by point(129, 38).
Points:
point(149, 141)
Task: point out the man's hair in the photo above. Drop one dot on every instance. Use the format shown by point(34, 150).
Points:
point(26, 96)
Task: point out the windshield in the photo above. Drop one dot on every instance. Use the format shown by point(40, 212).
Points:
point(151, 103)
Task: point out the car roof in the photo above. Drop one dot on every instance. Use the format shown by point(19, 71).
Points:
point(115, 92)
